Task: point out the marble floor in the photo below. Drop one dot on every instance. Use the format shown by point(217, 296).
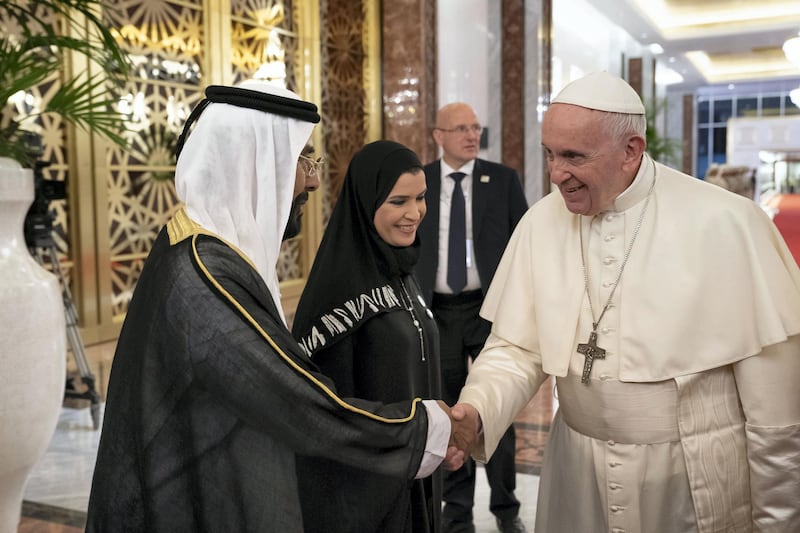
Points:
point(57, 492)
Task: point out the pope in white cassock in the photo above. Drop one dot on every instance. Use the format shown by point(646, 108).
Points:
point(668, 311)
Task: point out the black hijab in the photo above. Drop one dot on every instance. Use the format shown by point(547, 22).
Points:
point(355, 272)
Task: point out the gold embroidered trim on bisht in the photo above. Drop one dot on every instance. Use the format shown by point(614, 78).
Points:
point(180, 227)
point(183, 223)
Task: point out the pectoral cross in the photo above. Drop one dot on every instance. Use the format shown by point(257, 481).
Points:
point(590, 350)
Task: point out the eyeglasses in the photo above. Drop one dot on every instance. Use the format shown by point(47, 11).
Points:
point(312, 167)
point(463, 129)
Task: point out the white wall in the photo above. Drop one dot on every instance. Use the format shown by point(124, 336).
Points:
point(584, 40)
point(469, 62)
point(747, 137)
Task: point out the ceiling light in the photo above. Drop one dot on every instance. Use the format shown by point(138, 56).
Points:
point(656, 49)
point(792, 50)
point(667, 76)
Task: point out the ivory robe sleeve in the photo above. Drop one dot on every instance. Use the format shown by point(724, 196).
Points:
point(500, 384)
point(770, 396)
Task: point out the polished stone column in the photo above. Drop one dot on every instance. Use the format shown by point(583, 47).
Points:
point(687, 142)
point(538, 17)
point(409, 74)
point(513, 76)
point(635, 66)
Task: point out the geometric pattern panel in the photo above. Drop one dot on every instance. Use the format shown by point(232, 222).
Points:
point(344, 123)
point(264, 42)
point(290, 262)
point(264, 45)
point(165, 42)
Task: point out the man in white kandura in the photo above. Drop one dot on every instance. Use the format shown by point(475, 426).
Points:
point(668, 311)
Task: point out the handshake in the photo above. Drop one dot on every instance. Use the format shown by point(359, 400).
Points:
point(465, 425)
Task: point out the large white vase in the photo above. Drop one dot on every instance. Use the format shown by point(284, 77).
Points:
point(32, 347)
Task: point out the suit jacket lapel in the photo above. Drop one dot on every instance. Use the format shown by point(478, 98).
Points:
point(480, 198)
point(434, 183)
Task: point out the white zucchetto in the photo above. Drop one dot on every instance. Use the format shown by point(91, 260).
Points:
point(603, 92)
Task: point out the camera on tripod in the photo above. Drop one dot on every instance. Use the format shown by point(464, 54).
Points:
point(38, 231)
point(39, 219)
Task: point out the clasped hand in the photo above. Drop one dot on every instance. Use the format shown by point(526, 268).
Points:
point(465, 424)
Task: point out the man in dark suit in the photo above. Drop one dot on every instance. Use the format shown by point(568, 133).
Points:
point(473, 207)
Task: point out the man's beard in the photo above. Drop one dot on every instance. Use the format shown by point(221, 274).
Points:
point(294, 224)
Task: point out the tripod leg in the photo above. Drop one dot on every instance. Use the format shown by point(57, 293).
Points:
point(75, 340)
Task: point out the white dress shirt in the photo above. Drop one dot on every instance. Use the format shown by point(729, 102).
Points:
point(445, 197)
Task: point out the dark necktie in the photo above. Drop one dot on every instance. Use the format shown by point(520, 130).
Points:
point(457, 241)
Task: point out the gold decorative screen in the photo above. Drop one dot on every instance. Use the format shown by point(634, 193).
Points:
point(165, 42)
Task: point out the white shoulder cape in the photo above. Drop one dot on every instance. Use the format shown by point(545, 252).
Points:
point(709, 282)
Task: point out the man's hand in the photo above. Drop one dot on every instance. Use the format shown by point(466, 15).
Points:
point(455, 457)
point(466, 426)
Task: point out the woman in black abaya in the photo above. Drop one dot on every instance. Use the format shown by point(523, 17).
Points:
point(364, 323)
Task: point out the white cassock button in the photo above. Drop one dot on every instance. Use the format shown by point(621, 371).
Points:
point(609, 238)
point(609, 260)
point(610, 217)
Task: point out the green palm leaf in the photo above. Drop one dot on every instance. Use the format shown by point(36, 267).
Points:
point(77, 102)
point(38, 54)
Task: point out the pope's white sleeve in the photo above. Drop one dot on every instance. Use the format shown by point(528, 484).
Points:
point(501, 382)
point(770, 396)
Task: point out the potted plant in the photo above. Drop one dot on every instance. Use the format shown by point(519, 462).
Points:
point(37, 39)
point(661, 149)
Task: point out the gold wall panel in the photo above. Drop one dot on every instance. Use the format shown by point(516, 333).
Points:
point(168, 43)
point(165, 41)
point(121, 197)
point(344, 97)
point(263, 35)
point(264, 45)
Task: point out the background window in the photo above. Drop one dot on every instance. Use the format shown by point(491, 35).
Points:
point(747, 107)
point(702, 150)
point(723, 110)
point(702, 112)
point(789, 108)
point(770, 106)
